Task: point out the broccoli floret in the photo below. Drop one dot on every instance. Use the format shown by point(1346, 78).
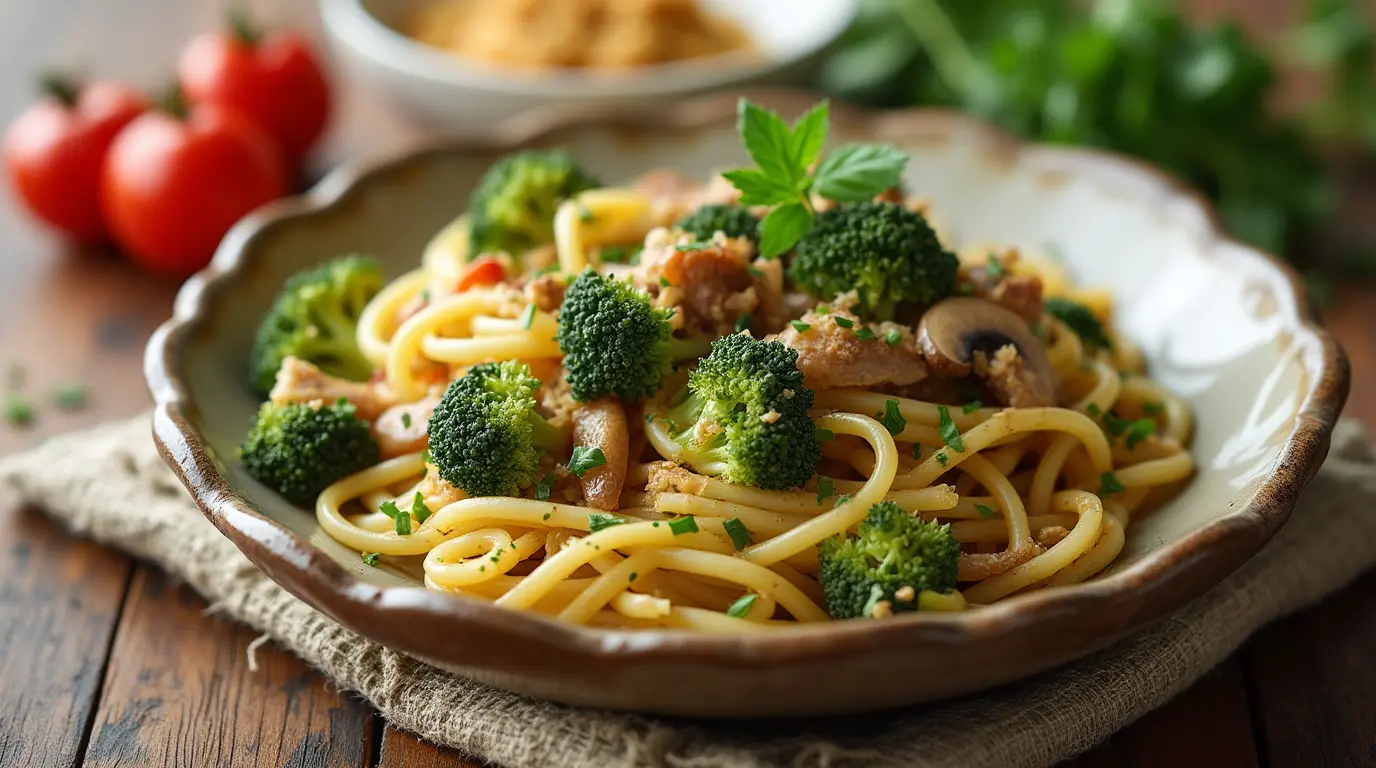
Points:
point(615, 342)
point(743, 415)
point(886, 253)
point(892, 550)
point(512, 208)
point(315, 318)
point(299, 449)
point(733, 220)
point(485, 435)
point(1079, 319)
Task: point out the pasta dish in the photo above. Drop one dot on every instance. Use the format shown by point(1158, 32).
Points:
point(774, 397)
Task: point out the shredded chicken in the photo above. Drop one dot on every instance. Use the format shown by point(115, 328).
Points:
point(978, 566)
point(1021, 294)
point(711, 286)
point(830, 355)
point(1004, 375)
point(556, 400)
point(301, 382)
point(668, 477)
point(546, 292)
point(404, 428)
point(602, 424)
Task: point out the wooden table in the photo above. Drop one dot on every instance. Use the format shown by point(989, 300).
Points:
point(104, 662)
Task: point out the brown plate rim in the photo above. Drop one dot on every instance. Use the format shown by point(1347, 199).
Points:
point(421, 621)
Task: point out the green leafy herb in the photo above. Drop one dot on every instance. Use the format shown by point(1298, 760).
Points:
point(740, 536)
point(401, 520)
point(1140, 430)
point(971, 407)
point(743, 322)
point(842, 499)
point(693, 246)
point(419, 509)
point(664, 281)
point(825, 487)
point(1094, 410)
point(547, 516)
point(1154, 408)
point(892, 337)
point(370, 558)
point(893, 418)
point(70, 396)
point(1108, 483)
point(985, 511)
point(631, 579)
point(950, 435)
point(19, 411)
point(844, 322)
point(585, 458)
point(754, 271)
point(682, 525)
point(528, 316)
point(857, 172)
point(799, 326)
point(406, 419)
point(741, 607)
point(917, 451)
point(598, 521)
point(545, 487)
point(865, 334)
point(942, 458)
point(994, 267)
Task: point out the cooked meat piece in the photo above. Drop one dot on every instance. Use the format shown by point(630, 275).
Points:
point(403, 428)
point(710, 285)
point(301, 382)
point(1004, 375)
point(830, 355)
point(546, 292)
point(437, 491)
point(556, 399)
point(602, 424)
point(977, 566)
point(1022, 294)
point(668, 477)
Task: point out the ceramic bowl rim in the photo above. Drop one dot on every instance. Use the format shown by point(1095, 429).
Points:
point(1162, 580)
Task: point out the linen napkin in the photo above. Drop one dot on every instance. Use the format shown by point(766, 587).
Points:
point(110, 484)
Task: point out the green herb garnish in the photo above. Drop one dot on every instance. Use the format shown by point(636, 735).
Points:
point(950, 435)
point(741, 607)
point(740, 536)
point(598, 521)
point(893, 418)
point(682, 525)
point(584, 459)
point(401, 520)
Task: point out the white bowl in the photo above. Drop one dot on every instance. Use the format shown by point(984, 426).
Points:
point(444, 91)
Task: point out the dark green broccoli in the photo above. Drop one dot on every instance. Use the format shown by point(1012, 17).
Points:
point(733, 220)
point(1079, 319)
point(299, 450)
point(512, 208)
point(743, 415)
point(886, 253)
point(486, 436)
point(315, 318)
point(615, 342)
point(892, 549)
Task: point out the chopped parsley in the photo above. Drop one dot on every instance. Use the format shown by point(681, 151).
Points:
point(1154, 408)
point(892, 337)
point(585, 458)
point(545, 486)
point(985, 511)
point(1140, 430)
point(419, 509)
point(995, 267)
point(586, 216)
point(1094, 410)
point(950, 435)
point(865, 334)
point(631, 579)
point(743, 322)
point(971, 407)
point(401, 519)
point(741, 607)
point(842, 499)
point(740, 536)
point(825, 435)
point(893, 418)
point(528, 316)
point(1108, 483)
point(370, 558)
point(942, 458)
point(754, 271)
point(682, 525)
point(825, 487)
point(70, 396)
point(664, 281)
point(799, 326)
point(917, 451)
point(406, 419)
point(844, 322)
point(693, 247)
point(547, 516)
point(18, 410)
point(598, 521)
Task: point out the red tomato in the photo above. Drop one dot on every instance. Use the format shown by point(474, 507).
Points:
point(274, 79)
point(55, 149)
point(172, 187)
point(484, 270)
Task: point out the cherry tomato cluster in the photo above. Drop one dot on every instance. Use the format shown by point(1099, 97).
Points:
point(164, 181)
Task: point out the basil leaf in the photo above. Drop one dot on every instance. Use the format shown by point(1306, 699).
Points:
point(809, 134)
point(758, 189)
point(782, 229)
point(857, 172)
point(768, 141)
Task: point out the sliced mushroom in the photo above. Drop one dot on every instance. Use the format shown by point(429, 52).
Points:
point(961, 336)
point(602, 424)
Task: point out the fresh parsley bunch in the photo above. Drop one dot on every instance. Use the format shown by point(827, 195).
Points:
point(783, 176)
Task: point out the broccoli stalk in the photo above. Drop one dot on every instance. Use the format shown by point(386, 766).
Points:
point(512, 208)
point(615, 342)
point(743, 416)
point(884, 252)
point(731, 220)
point(486, 437)
point(315, 318)
point(299, 449)
point(891, 550)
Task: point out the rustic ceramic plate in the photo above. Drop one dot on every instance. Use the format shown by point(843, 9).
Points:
point(1222, 324)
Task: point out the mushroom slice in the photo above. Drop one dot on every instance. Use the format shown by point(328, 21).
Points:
point(955, 331)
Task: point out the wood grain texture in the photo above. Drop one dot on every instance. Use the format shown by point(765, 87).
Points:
point(403, 750)
point(180, 692)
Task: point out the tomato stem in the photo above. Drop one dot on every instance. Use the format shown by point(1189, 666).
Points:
point(173, 101)
point(242, 27)
point(64, 88)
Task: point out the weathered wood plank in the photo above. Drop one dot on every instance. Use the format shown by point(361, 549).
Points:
point(59, 603)
point(179, 692)
point(403, 750)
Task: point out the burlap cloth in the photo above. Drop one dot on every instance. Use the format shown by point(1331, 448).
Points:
point(110, 484)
